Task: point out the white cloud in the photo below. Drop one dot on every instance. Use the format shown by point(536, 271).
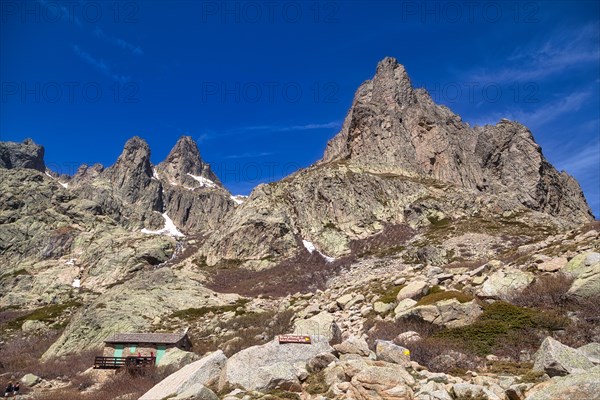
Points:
point(290, 128)
point(541, 115)
point(542, 60)
point(265, 129)
point(100, 65)
point(133, 49)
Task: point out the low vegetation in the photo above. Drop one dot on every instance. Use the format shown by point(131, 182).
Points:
point(435, 296)
point(12, 320)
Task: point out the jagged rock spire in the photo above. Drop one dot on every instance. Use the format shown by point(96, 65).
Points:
point(131, 175)
point(184, 166)
point(392, 127)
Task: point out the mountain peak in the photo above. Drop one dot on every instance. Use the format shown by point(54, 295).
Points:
point(184, 157)
point(131, 175)
point(391, 127)
point(184, 165)
point(391, 83)
point(22, 155)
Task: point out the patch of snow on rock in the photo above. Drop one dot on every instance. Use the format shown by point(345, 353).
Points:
point(169, 228)
point(239, 199)
point(203, 181)
point(311, 248)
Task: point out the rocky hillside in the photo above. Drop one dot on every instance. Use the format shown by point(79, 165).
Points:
point(427, 260)
point(399, 159)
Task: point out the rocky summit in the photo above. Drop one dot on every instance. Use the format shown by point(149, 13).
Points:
point(420, 258)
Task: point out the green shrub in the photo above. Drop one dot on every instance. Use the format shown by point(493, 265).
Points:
point(388, 294)
point(501, 323)
point(276, 394)
point(315, 383)
point(434, 297)
point(50, 313)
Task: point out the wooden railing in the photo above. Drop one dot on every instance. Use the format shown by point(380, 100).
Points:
point(101, 362)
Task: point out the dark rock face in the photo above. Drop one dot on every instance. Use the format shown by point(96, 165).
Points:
point(135, 192)
point(131, 176)
point(194, 197)
point(22, 155)
point(393, 127)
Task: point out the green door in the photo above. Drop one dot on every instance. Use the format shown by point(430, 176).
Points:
point(118, 350)
point(160, 352)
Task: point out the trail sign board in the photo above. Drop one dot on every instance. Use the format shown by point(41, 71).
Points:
point(294, 339)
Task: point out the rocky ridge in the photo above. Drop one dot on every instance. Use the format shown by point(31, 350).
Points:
point(399, 159)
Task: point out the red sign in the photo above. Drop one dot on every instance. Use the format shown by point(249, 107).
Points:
point(294, 339)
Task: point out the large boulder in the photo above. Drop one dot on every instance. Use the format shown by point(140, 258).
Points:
point(196, 392)
point(556, 359)
point(272, 365)
point(501, 284)
point(402, 306)
point(449, 313)
point(353, 345)
point(205, 371)
point(30, 380)
point(413, 290)
point(378, 376)
point(322, 324)
point(432, 391)
point(585, 268)
point(390, 352)
point(577, 386)
point(177, 358)
point(470, 391)
point(591, 351)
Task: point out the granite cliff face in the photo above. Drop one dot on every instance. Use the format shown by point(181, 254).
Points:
point(392, 127)
point(193, 195)
point(57, 233)
point(395, 150)
point(136, 193)
point(22, 155)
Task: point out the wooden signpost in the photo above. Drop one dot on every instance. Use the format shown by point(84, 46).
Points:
point(302, 339)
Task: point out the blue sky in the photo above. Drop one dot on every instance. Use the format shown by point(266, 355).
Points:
point(263, 85)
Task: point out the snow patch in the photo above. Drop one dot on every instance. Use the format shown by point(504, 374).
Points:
point(311, 248)
point(154, 174)
point(239, 199)
point(203, 181)
point(169, 228)
point(71, 261)
point(65, 185)
point(76, 283)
